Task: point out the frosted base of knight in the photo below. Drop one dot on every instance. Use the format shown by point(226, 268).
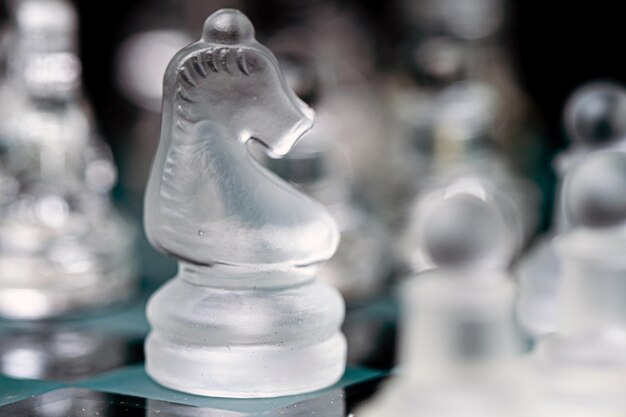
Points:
point(231, 331)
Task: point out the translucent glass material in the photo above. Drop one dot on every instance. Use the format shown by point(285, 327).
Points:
point(459, 339)
point(457, 350)
point(581, 367)
point(63, 246)
point(595, 121)
point(468, 20)
point(462, 222)
point(60, 352)
point(453, 138)
point(244, 317)
point(318, 167)
point(594, 114)
point(594, 192)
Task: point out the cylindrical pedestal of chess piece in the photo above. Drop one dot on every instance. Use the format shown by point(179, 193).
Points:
point(593, 291)
point(459, 337)
point(458, 345)
point(581, 368)
point(467, 321)
point(222, 331)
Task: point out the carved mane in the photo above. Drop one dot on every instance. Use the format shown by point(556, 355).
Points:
point(202, 63)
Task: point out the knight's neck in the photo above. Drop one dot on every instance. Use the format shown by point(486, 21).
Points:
point(207, 143)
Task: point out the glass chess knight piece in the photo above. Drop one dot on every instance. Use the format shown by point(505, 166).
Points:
point(245, 316)
point(595, 121)
point(580, 369)
point(458, 340)
point(63, 246)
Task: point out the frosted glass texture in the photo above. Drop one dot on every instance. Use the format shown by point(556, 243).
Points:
point(458, 334)
point(595, 121)
point(244, 317)
point(581, 367)
point(464, 222)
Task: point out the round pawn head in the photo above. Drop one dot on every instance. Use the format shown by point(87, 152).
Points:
point(42, 49)
point(46, 25)
point(462, 230)
point(596, 114)
point(227, 26)
point(595, 191)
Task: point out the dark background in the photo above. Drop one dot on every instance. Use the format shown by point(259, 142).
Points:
point(555, 47)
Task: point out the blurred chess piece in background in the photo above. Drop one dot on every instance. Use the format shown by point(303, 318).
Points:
point(431, 220)
point(63, 245)
point(459, 338)
point(446, 43)
point(580, 369)
point(595, 121)
point(59, 352)
point(461, 155)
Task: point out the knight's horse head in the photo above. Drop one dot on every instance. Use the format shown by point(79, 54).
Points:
point(230, 79)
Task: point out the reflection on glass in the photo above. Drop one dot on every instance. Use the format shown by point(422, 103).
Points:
point(74, 402)
point(59, 353)
point(329, 405)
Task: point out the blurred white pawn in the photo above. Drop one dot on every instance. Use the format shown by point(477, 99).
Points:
point(459, 337)
point(595, 121)
point(581, 369)
point(462, 155)
point(489, 219)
